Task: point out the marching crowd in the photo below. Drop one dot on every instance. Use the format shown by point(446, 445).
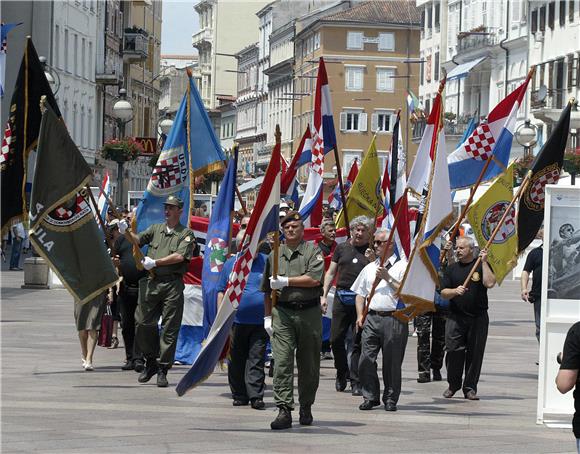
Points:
point(282, 305)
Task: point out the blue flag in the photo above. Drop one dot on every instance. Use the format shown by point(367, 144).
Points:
point(217, 243)
point(179, 161)
point(473, 123)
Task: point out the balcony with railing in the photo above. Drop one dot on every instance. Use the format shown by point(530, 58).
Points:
point(547, 104)
point(476, 40)
point(203, 36)
point(135, 45)
point(418, 129)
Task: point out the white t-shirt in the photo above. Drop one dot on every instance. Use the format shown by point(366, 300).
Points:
point(384, 297)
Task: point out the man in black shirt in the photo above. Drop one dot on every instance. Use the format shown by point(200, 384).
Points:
point(533, 266)
point(128, 294)
point(348, 261)
point(467, 323)
point(568, 377)
point(328, 242)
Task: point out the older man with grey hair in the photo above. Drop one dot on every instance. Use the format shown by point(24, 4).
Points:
point(380, 329)
point(348, 260)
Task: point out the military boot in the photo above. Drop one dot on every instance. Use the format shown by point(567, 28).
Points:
point(162, 378)
point(305, 415)
point(150, 370)
point(283, 420)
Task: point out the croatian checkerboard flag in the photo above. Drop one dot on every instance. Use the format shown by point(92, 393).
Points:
point(289, 186)
point(311, 206)
point(335, 199)
point(323, 134)
point(264, 220)
point(491, 139)
point(103, 202)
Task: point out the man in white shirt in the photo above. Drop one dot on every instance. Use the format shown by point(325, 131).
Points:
point(381, 331)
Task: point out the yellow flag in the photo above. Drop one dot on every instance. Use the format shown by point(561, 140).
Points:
point(365, 196)
point(484, 216)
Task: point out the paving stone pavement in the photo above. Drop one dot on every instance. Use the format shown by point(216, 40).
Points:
point(51, 405)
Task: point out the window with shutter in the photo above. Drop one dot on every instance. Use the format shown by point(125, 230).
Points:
point(387, 41)
point(534, 21)
point(551, 14)
point(354, 40)
point(362, 122)
point(343, 121)
point(543, 18)
point(436, 66)
point(385, 79)
point(571, 11)
point(562, 14)
point(354, 78)
point(374, 122)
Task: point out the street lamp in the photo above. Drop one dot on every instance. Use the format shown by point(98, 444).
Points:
point(51, 75)
point(123, 113)
point(164, 125)
point(526, 136)
point(574, 129)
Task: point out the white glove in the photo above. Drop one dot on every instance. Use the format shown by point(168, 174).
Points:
point(148, 263)
point(268, 325)
point(123, 226)
point(279, 282)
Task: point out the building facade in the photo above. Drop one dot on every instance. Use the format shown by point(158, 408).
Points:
point(368, 51)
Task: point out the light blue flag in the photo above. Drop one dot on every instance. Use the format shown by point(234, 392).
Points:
point(473, 123)
point(191, 149)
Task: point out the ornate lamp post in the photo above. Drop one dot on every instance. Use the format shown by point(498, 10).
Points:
point(526, 135)
point(51, 75)
point(163, 127)
point(123, 112)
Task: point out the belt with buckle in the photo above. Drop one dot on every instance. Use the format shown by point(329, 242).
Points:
point(299, 305)
point(382, 313)
point(166, 278)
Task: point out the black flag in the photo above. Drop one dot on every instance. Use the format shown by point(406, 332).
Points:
point(545, 170)
point(21, 135)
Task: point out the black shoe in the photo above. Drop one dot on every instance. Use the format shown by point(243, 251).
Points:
point(147, 373)
point(305, 416)
point(448, 393)
point(340, 383)
point(129, 365)
point(356, 391)
point(423, 379)
point(471, 395)
point(390, 406)
point(139, 365)
point(283, 420)
point(162, 379)
point(437, 375)
point(368, 404)
point(239, 402)
point(258, 404)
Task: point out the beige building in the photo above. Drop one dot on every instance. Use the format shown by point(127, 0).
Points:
point(369, 52)
point(226, 27)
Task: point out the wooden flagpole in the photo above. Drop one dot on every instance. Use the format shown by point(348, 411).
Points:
point(188, 132)
point(522, 188)
point(342, 193)
point(276, 255)
point(108, 238)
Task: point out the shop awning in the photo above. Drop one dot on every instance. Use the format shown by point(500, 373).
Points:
point(463, 70)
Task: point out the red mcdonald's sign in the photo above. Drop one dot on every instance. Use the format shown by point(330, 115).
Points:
point(149, 145)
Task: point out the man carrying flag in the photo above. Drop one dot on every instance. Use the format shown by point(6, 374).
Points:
point(295, 320)
point(171, 247)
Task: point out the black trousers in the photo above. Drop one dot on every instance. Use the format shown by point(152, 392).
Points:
point(127, 299)
point(343, 320)
point(465, 339)
point(430, 345)
point(246, 374)
point(389, 335)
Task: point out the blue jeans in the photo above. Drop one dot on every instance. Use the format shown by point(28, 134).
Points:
point(15, 256)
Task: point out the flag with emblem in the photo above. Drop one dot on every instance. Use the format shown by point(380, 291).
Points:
point(485, 214)
point(491, 139)
point(311, 205)
point(103, 200)
point(290, 182)
point(365, 197)
point(218, 239)
point(264, 220)
point(63, 229)
point(545, 170)
point(323, 134)
point(21, 134)
point(191, 149)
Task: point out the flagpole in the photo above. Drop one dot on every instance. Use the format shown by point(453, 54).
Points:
point(188, 132)
point(522, 188)
point(342, 193)
point(276, 255)
point(238, 193)
point(99, 218)
point(383, 257)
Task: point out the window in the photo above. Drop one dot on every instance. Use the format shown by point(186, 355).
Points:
point(543, 18)
point(551, 14)
point(84, 69)
point(90, 130)
point(562, 12)
point(429, 21)
point(428, 68)
point(83, 139)
point(353, 120)
point(437, 14)
point(348, 157)
point(436, 66)
point(572, 71)
point(516, 12)
point(354, 40)
point(385, 79)
point(90, 62)
point(421, 72)
point(534, 21)
point(422, 23)
point(76, 55)
point(354, 76)
point(427, 107)
point(66, 50)
point(387, 41)
point(317, 40)
point(571, 11)
point(57, 46)
point(383, 120)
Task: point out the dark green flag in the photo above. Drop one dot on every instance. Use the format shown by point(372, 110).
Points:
point(21, 134)
point(63, 227)
point(545, 170)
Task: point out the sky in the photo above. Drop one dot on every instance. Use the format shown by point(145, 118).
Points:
point(180, 21)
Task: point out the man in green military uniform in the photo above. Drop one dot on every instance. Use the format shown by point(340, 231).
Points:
point(294, 323)
point(171, 247)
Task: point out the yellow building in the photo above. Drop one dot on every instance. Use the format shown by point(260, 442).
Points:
point(371, 53)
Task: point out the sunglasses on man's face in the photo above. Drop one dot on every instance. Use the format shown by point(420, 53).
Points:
point(379, 242)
